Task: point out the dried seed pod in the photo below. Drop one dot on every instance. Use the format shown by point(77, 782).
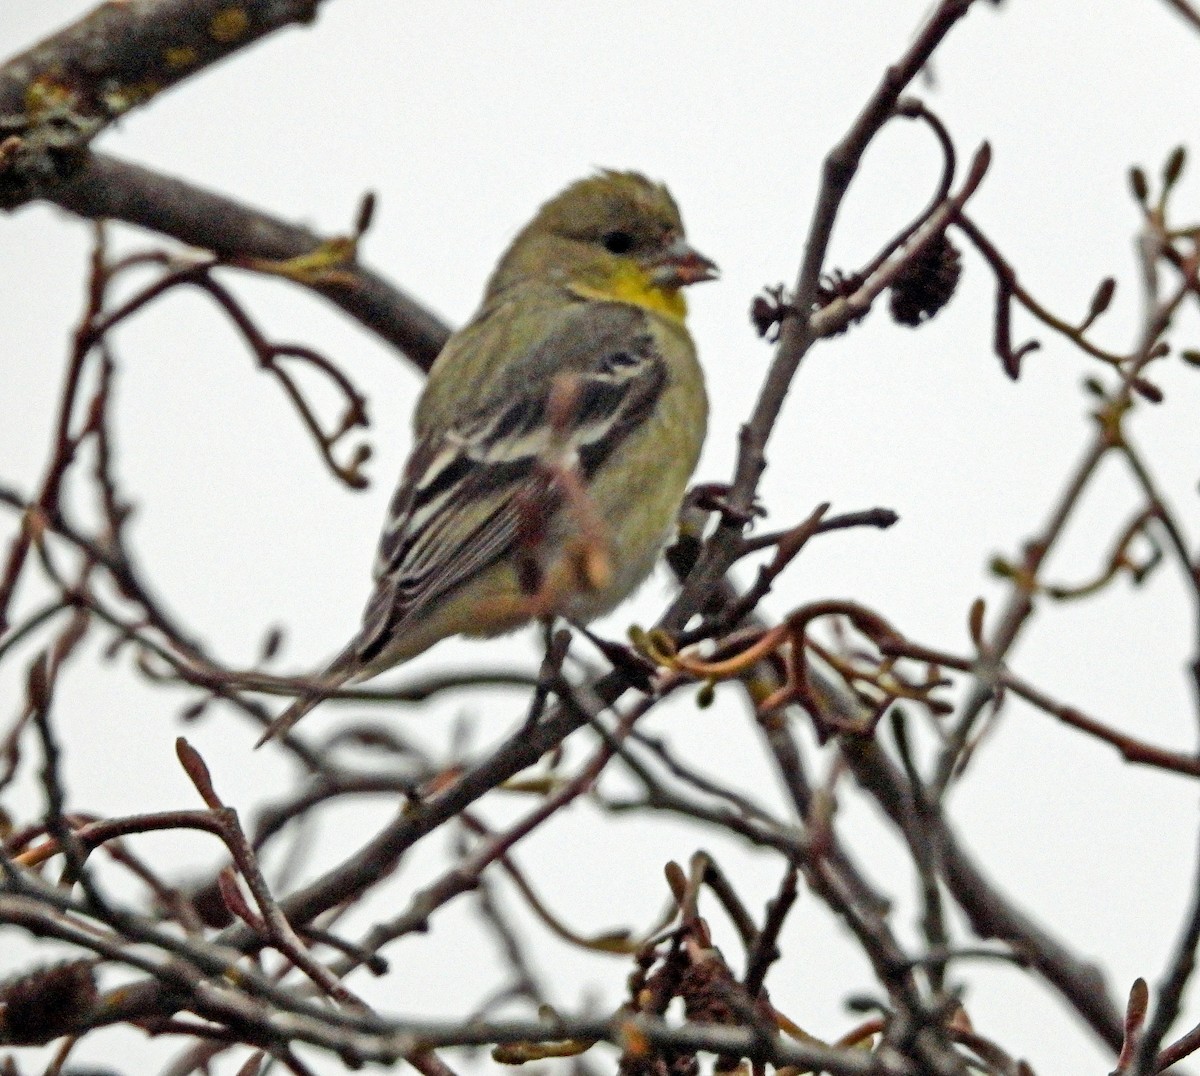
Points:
point(927, 283)
point(46, 1003)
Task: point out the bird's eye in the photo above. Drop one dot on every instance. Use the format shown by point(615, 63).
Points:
point(617, 242)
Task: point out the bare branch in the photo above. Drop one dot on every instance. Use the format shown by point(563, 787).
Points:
point(107, 188)
point(57, 96)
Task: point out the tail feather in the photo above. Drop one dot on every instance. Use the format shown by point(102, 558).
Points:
point(338, 673)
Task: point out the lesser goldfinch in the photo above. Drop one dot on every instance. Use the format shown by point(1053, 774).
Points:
point(555, 436)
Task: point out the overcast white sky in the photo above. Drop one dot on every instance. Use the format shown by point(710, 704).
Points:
point(463, 117)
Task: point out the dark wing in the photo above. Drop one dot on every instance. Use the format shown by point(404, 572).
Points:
point(459, 507)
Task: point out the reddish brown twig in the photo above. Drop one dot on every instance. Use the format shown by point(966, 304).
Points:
point(274, 924)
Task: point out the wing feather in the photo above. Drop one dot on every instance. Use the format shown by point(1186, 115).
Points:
point(458, 510)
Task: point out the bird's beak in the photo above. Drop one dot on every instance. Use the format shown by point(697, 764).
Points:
point(681, 264)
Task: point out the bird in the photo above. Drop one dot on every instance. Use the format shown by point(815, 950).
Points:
point(554, 438)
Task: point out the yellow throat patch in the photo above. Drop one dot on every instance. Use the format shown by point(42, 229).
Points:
point(630, 283)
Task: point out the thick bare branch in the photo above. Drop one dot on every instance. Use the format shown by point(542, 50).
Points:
point(58, 95)
point(107, 188)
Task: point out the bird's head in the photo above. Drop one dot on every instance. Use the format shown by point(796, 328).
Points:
point(615, 236)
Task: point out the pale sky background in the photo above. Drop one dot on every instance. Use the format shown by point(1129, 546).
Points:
point(464, 117)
